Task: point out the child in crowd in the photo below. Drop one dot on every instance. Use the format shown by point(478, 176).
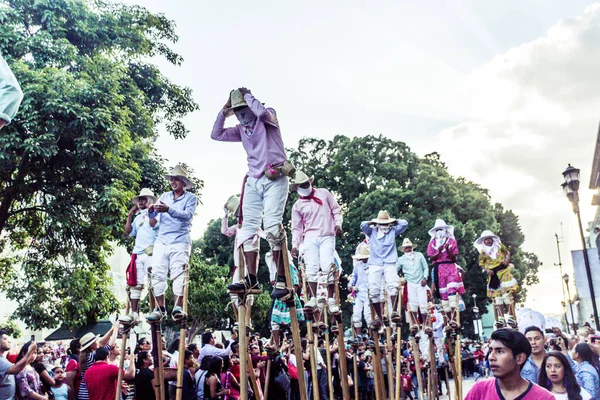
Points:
point(61, 390)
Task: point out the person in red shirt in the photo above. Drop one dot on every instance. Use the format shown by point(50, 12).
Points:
point(101, 377)
point(509, 349)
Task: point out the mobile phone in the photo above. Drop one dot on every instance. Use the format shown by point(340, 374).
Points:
point(549, 330)
point(553, 342)
point(594, 338)
point(33, 338)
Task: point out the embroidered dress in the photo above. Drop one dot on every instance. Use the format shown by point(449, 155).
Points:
point(448, 280)
point(507, 283)
point(280, 314)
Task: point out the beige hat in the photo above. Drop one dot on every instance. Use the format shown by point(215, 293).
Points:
point(232, 204)
point(87, 340)
point(440, 224)
point(147, 193)
point(181, 173)
point(237, 99)
point(363, 253)
point(406, 243)
point(383, 217)
point(299, 179)
point(484, 235)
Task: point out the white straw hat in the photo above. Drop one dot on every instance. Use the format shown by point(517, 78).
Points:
point(181, 173)
point(148, 194)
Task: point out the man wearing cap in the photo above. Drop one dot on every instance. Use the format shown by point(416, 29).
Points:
point(145, 235)
point(414, 268)
point(316, 220)
point(173, 244)
point(494, 260)
point(265, 187)
point(382, 232)
point(443, 250)
point(10, 94)
point(359, 286)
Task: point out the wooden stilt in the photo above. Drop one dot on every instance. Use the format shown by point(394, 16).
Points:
point(355, 366)
point(378, 369)
point(159, 377)
point(399, 389)
point(433, 369)
point(182, 335)
point(243, 349)
point(388, 358)
point(253, 382)
point(341, 345)
point(458, 356)
point(417, 357)
point(294, 318)
point(124, 335)
point(328, 356)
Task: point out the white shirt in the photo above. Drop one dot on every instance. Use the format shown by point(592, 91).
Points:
point(584, 395)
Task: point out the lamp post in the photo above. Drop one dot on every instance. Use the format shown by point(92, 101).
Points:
point(564, 306)
point(476, 317)
point(574, 325)
point(571, 188)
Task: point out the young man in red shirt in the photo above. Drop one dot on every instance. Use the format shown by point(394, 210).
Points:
point(509, 349)
point(101, 377)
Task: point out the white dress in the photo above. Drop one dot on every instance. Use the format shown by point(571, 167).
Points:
point(584, 395)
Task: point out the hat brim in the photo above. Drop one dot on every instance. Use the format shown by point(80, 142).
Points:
point(479, 241)
point(89, 343)
point(136, 199)
point(360, 257)
point(188, 183)
point(383, 221)
point(412, 246)
point(447, 227)
point(294, 185)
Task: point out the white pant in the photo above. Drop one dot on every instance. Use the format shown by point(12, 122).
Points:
point(381, 276)
point(260, 195)
point(361, 306)
point(417, 297)
point(318, 254)
point(169, 259)
point(142, 263)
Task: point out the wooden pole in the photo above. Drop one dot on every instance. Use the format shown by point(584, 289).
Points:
point(458, 353)
point(310, 344)
point(294, 318)
point(342, 345)
point(380, 387)
point(328, 356)
point(124, 335)
point(399, 389)
point(243, 349)
point(182, 334)
point(355, 367)
point(159, 381)
point(388, 358)
point(417, 357)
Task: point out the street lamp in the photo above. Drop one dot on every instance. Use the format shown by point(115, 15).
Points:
point(574, 325)
point(571, 188)
point(476, 317)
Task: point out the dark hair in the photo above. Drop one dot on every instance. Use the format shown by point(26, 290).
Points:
point(74, 347)
point(139, 344)
point(226, 363)
point(3, 332)
point(573, 388)
point(587, 354)
point(205, 363)
point(533, 328)
point(174, 346)
point(192, 347)
point(23, 351)
point(55, 368)
point(514, 340)
point(206, 336)
point(215, 366)
point(235, 348)
point(188, 355)
point(141, 357)
point(101, 354)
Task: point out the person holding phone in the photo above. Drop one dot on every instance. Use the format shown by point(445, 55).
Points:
point(173, 243)
point(145, 232)
point(537, 341)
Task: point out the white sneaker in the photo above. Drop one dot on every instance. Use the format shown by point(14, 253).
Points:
point(312, 303)
point(332, 306)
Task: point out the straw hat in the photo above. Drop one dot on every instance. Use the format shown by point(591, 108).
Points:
point(363, 253)
point(299, 179)
point(383, 217)
point(237, 99)
point(406, 243)
point(181, 173)
point(147, 193)
point(232, 204)
point(440, 224)
point(87, 340)
point(484, 235)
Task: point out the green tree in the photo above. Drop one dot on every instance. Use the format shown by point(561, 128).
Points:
point(80, 148)
point(11, 328)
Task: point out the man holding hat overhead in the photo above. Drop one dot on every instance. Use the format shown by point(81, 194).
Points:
point(10, 94)
point(382, 232)
point(266, 184)
point(173, 244)
point(316, 220)
point(359, 285)
point(415, 270)
point(494, 260)
point(145, 235)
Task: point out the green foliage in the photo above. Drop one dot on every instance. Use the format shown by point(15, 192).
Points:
point(11, 328)
point(81, 147)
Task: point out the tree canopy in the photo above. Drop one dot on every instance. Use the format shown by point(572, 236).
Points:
point(80, 148)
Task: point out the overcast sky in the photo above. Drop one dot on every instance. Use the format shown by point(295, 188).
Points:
point(507, 92)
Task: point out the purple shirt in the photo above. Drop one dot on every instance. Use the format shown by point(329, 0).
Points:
point(444, 257)
point(263, 146)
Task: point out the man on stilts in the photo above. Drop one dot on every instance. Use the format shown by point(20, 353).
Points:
point(265, 186)
point(173, 244)
point(413, 266)
point(358, 285)
point(145, 234)
point(382, 232)
point(494, 260)
point(443, 251)
point(316, 221)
